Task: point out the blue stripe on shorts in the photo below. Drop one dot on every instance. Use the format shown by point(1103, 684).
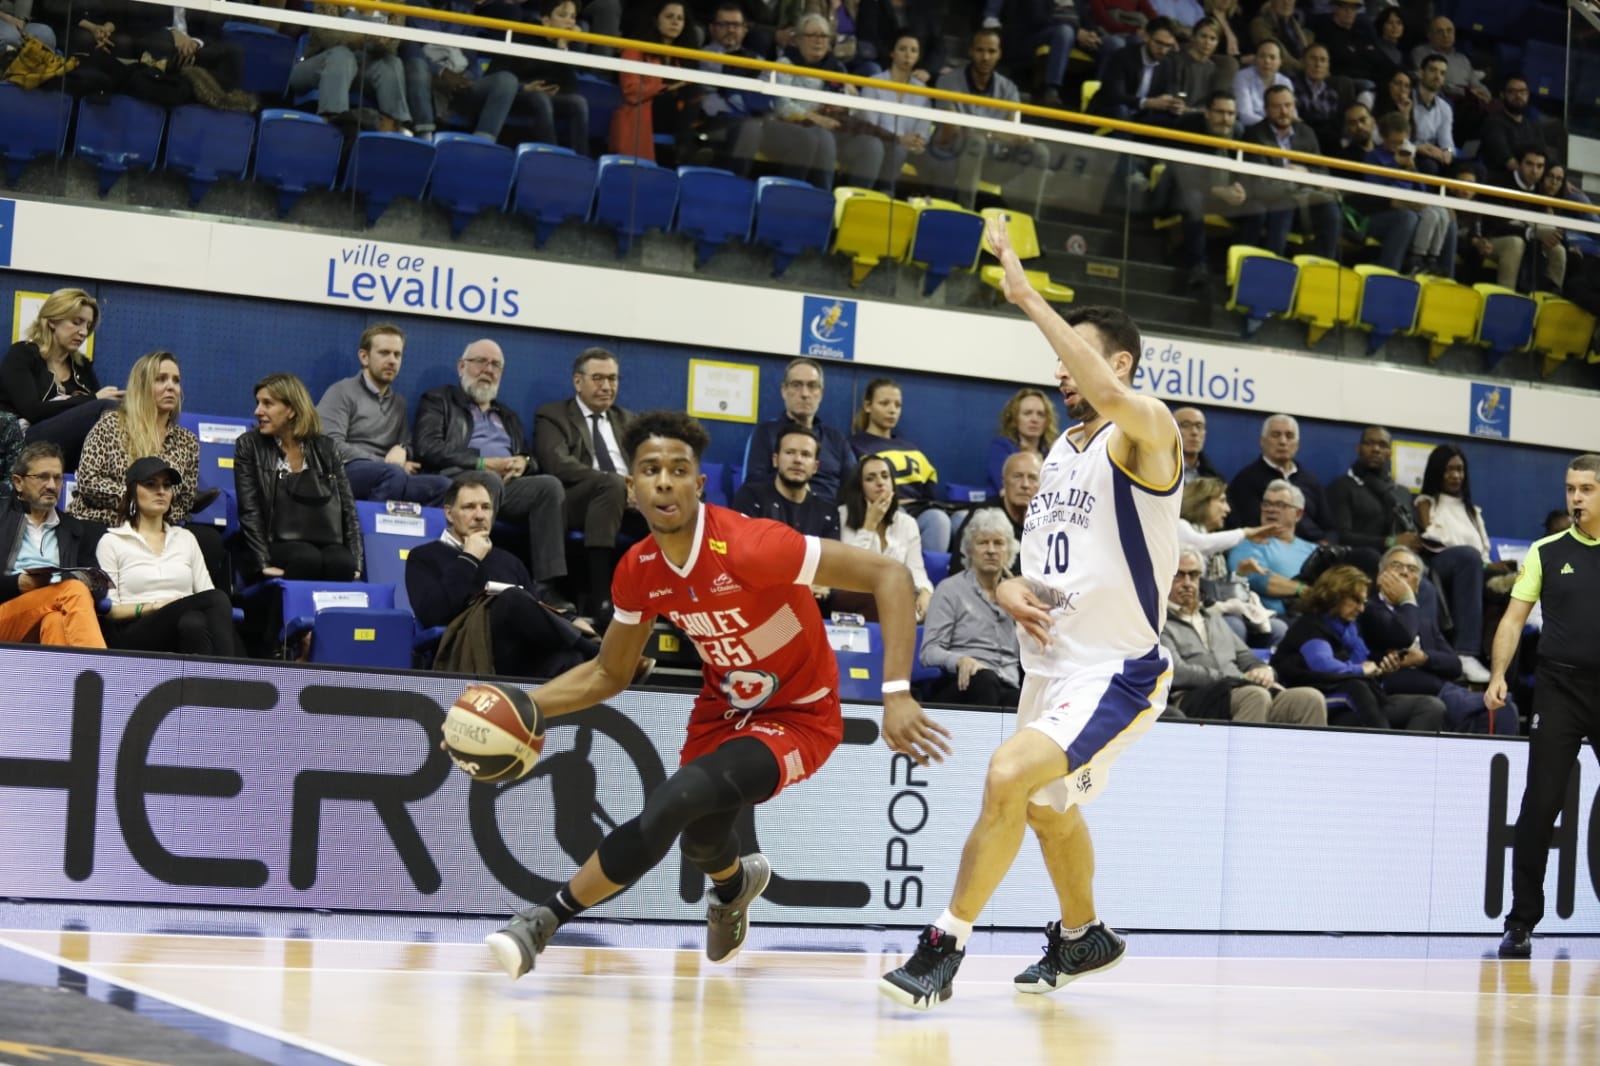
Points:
point(1126, 698)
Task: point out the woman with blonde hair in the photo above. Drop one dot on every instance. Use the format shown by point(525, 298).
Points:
point(1205, 508)
point(297, 515)
point(1027, 424)
point(47, 381)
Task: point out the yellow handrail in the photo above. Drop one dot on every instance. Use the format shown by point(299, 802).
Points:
point(1200, 140)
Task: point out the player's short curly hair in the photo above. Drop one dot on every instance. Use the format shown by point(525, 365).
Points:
point(669, 425)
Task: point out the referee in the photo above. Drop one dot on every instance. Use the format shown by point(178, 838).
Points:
point(1563, 573)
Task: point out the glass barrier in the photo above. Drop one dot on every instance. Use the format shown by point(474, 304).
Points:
point(1196, 218)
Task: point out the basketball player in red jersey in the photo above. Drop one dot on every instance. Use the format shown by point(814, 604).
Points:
point(768, 715)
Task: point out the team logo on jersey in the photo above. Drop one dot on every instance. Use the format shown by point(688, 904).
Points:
point(718, 546)
point(723, 584)
point(1084, 781)
point(748, 690)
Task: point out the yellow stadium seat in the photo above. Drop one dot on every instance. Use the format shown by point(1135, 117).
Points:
point(1089, 89)
point(1447, 313)
point(1561, 330)
point(870, 227)
point(1327, 295)
point(1025, 239)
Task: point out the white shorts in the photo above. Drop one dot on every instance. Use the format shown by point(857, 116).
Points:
point(1093, 714)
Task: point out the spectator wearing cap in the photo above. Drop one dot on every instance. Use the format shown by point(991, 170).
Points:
point(162, 598)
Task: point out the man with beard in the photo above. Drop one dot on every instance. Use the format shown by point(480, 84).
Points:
point(788, 498)
point(1368, 509)
point(1513, 124)
point(465, 429)
point(38, 606)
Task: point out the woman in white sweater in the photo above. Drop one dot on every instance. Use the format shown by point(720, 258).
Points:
point(870, 518)
point(162, 598)
point(1205, 508)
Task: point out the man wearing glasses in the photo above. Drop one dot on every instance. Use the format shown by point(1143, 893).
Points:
point(726, 108)
point(1141, 83)
point(36, 605)
point(802, 397)
point(465, 428)
point(1282, 554)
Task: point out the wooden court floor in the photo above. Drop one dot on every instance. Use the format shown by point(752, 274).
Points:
point(404, 1003)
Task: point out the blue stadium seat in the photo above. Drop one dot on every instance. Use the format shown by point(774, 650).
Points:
point(205, 144)
point(216, 434)
point(374, 637)
point(632, 196)
point(1507, 323)
point(35, 127)
point(389, 530)
point(948, 237)
point(716, 490)
point(1489, 18)
point(957, 493)
point(1261, 284)
point(792, 217)
point(937, 564)
point(386, 166)
point(861, 664)
point(603, 97)
point(268, 56)
point(550, 186)
point(118, 134)
point(715, 207)
point(1388, 303)
point(1544, 21)
point(470, 176)
point(1545, 66)
point(1507, 549)
point(295, 153)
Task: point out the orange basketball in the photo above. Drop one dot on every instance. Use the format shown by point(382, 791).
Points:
point(494, 732)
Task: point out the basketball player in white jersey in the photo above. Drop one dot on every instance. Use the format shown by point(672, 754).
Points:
point(1099, 547)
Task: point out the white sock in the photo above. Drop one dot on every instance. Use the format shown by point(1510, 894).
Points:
point(1073, 934)
point(956, 928)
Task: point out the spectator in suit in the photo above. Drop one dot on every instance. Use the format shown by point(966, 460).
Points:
point(365, 417)
point(1280, 443)
point(1215, 674)
point(1192, 431)
point(466, 429)
point(788, 497)
point(1433, 119)
point(1027, 424)
point(162, 598)
point(1321, 97)
point(802, 398)
point(1250, 85)
point(297, 515)
point(1281, 202)
point(528, 637)
point(968, 636)
point(1279, 22)
point(1141, 83)
point(579, 441)
point(47, 382)
point(1510, 126)
point(1513, 240)
point(1019, 482)
point(958, 158)
point(1413, 654)
point(1393, 222)
point(37, 607)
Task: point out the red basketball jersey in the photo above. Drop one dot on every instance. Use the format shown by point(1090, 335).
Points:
point(744, 598)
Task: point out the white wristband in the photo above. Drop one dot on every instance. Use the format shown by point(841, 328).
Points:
point(891, 687)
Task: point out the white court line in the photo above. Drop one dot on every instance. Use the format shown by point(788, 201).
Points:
point(226, 1018)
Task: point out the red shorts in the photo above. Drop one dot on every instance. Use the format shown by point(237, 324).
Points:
point(801, 741)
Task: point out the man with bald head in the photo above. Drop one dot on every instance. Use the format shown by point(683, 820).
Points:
point(1192, 431)
point(466, 429)
point(1460, 79)
point(1280, 443)
point(1019, 482)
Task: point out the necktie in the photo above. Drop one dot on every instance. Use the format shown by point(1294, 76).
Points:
point(602, 454)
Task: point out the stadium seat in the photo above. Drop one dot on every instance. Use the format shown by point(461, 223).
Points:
point(716, 490)
point(301, 601)
point(1507, 323)
point(603, 97)
point(216, 434)
point(1260, 284)
point(1508, 550)
point(35, 127)
point(948, 237)
point(268, 56)
point(632, 196)
point(1388, 303)
point(715, 208)
point(389, 530)
point(551, 185)
point(375, 637)
point(386, 166)
point(1025, 240)
point(964, 493)
point(1561, 330)
point(937, 564)
point(1489, 18)
point(792, 217)
point(859, 650)
point(296, 153)
point(1447, 313)
point(1327, 295)
point(470, 176)
point(870, 227)
point(118, 134)
point(204, 144)
point(1545, 66)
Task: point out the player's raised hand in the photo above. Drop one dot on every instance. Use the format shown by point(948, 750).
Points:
point(1027, 610)
point(1014, 282)
point(908, 730)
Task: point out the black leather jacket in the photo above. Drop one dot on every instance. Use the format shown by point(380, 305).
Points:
point(255, 479)
point(444, 430)
point(74, 544)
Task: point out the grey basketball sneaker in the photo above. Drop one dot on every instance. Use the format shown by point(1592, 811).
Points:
point(1064, 961)
point(926, 977)
point(517, 945)
point(728, 923)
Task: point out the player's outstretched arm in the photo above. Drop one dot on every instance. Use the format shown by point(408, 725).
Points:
point(906, 728)
point(601, 677)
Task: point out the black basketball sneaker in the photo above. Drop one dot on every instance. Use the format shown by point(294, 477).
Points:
point(926, 977)
point(1064, 961)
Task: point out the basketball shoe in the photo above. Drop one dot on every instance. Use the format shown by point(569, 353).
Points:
point(1067, 960)
point(926, 977)
point(517, 945)
point(728, 923)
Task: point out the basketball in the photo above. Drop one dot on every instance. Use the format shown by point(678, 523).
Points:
point(494, 732)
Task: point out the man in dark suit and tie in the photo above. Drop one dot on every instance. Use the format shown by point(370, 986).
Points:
point(1138, 83)
point(1282, 128)
point(577, 440)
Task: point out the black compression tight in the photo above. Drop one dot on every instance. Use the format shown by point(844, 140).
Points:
point(700, 802)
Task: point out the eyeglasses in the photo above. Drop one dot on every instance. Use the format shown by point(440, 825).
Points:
point(1407, 568)
point(45, 479)
point(1192, 575)
point(479, 360)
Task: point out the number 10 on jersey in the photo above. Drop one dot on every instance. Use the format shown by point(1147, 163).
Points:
point(1055, 553)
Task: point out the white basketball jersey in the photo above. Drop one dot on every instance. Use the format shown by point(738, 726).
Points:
point(1099, 548)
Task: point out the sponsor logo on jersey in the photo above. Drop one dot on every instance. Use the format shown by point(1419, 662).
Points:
point(1566, 568)
point(656, 594)
point(718, 546)
point(647, 557)
point(1084, 781)
point(723, 584)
